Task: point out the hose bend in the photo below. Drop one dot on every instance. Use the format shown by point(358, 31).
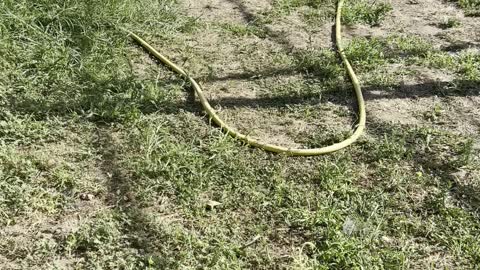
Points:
point(271, 147)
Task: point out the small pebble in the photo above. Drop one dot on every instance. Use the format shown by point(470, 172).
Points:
point(212, 204)
point(86, 197)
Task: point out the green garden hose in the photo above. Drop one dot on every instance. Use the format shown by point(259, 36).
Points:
point(270, 147)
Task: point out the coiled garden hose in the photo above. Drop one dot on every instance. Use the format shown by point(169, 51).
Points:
point(271, 147)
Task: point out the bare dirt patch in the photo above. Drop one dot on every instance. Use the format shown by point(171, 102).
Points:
point(425, 19)
point(229, 11)
point(234, 61)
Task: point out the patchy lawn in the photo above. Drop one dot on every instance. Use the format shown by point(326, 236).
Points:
point(108, 162)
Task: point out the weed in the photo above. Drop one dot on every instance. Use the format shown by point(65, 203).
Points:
point(367, 12)
point(321, 64)
point(241, 30)
point(366, 54)
point(470, 6)
point(450, 23)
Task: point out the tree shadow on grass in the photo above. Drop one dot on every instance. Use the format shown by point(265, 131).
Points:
point(458, 46)
point(443, 155)
point(108, 100)
point(139, 231)
point(104, 100)
point(344, 95)
point(276, 36)
point(468, 195)
point(253, 19)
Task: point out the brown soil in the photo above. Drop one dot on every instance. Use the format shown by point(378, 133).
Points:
point(230, 64)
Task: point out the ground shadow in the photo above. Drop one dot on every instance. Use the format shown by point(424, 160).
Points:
point(448, 168)
point(103, 100)
point(458, 46)
point(253, 19)
point(344, 94)
point(467, 195)
point(138, 231)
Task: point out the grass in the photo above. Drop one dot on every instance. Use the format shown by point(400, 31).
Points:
point(450, 23)
point(319, 11)
point(471, 7)
point(364, 11)
point(105, 165)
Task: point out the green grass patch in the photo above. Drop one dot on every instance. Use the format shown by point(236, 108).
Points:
point(365, 12)
point(471, 7)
